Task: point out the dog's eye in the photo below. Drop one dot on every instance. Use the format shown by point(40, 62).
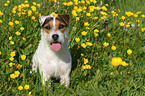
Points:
point(47, 27)
point(61, 26)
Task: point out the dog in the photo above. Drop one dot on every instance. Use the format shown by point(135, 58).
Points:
point(52, 56)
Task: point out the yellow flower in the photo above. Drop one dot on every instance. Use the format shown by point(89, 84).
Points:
point(23, 57)
point(137, 20)
point(85, 61)
point(12, 76)
point(109, 35)
point(1, 13)
point(29, 12)
point(10, 64)
point(64, 3)
point(111, 73)
point(26, 87)
point(21, 28)
point(106, 5)
point(95, 18)
point(18, 33)
point(97, 8)
point(142, 29)
point(95, 34)
point(83, 45)
point(96, 30)
point(121, 24)
point(5, 4)
point(124, 63)
point(10, 38)
point(16, 73)
point(143, 16)
point(86, 24)
point(88, 66)
point(26, 1)
point(19, 66)
point(11, 23)
point(106, 44)
point(74, 13)
point(12, 53)
point(113, 48)
point(33, 17)
point(84, 33)
point(127, 25)
point(88, 14)
point(12, 42)
point(38, 5)
point(0, 52)
point(33, 8)
point(123, 17)
point(54, 14)
point(8, 1)
point(24, 38)
point(11, 58)
point(104, 8)
point(77, 39)
point(77, 18)
point(129, 51)
point(89, 43)
point(103, 13)
point(16, 22)
point(129, 13)
point(34, 3)
point(116, 61)
point(20, 87)
point(1, 21)
point(82, 54)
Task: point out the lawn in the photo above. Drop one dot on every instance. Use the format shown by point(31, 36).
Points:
point(106, 41)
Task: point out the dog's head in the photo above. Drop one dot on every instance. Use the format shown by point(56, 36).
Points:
point(55, 30)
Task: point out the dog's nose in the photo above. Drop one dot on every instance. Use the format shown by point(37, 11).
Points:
point(55, 37)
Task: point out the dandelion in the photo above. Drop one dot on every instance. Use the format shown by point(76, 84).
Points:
point(20, 87)
point(129, 51)
point(26, 87)
point(77, 39)
point(116, 61)
point(11, 23)
point(113, 48)
point(23, 57)
point(106, 44)
point(83, 45)
point(18, 33)
point(16, 22)
point(21, 28)
point(84, 33)
point(12, 42)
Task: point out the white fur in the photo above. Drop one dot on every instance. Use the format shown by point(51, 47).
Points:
point(51, 63)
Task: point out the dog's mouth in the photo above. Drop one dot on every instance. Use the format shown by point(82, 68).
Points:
point(56, 46)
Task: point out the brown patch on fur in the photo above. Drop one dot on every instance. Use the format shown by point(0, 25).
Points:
point(50, 23)
point(58, 23)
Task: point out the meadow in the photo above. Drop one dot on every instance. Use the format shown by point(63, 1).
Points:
point(106, 41)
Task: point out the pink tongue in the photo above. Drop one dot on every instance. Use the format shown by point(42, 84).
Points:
point(56, 46)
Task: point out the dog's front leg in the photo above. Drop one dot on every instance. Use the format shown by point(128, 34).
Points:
point(65, 79)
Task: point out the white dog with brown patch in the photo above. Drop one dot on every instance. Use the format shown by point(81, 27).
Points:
point(52, 56)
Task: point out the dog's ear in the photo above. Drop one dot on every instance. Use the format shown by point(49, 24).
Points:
point(65, 18)
point(41, 20)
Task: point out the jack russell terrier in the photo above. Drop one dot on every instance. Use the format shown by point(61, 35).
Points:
point(52, 55)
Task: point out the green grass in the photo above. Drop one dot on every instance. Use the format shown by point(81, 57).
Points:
point(103, 78)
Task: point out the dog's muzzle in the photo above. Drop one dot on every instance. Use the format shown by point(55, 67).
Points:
point(55, 45)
